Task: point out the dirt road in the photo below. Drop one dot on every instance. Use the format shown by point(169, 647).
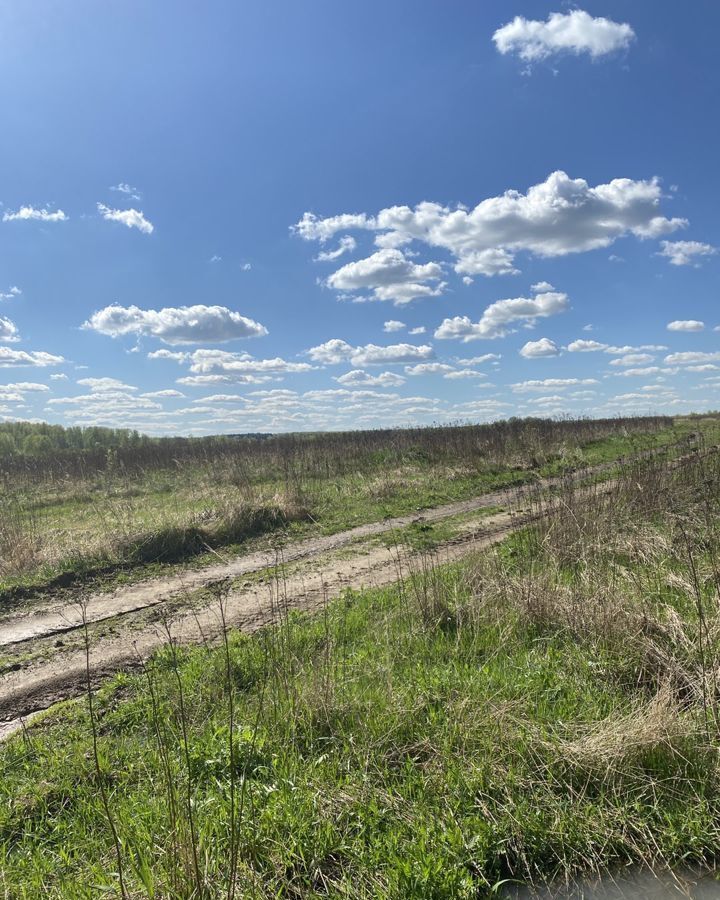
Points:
point(45, 647)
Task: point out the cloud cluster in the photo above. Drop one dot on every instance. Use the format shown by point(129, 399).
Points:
point(686, 253)
point(10, 294)
point(31, 213)
point(131, 218)
point(8, 331)
point(573, 32)
point(559, 216)
point(10, 358)
point(499, 318)
point(336, 351)
point(175, 325)
point(389, 275)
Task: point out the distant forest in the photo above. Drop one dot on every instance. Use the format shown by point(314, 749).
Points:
point(39, 439)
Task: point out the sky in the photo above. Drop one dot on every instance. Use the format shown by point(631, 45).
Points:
point(279, 216)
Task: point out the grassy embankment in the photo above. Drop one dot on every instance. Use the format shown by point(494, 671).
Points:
point(126, 512)
point(545, 708)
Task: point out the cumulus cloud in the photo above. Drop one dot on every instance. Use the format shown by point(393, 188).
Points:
point(175, 325)
point(394, 325)
point(685, 325)
point(100, 385)
point(434, 368)
point(337, 351)
point(345, 245)
point(575, 32)
point(499, 317)
point(131, 218)
point(522, 387)
point(632, 359)
point(8, 331)
point(690, 357)
point(559, 216)
point(10, 294)
point(479, 360)
point(540, 348)
point(420, 329)
point(389, 275)
point(686, 253)
point(9, 358)
point(583, 346)
point(221, 362)
point(359, 377)
point(31, 213)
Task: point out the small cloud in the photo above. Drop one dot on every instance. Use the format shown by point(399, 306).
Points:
point(30, 213)
point(685, 325)
point(686, 253)
point(246, 267)
point(419, 330)
point(215, 258)
point(615, 258)
point(11, 293)
point(124, 188)
point(393, 325)
point(131, 218)
point(543, 347)
point(345, 245)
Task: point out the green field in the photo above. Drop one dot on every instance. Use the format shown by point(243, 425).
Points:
point(543, 709)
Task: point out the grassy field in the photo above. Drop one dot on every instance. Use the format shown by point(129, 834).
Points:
point(69, 516)
point(543, 709)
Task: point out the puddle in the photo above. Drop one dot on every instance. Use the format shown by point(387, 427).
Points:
point(642, 885)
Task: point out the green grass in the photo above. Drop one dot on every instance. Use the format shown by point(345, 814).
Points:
point(110, 528)
point(496, 719)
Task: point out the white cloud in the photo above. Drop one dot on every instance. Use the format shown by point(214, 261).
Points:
point(124, 188)
point(632, 359)
point(466, 373)
point(131, 218)
point(31, 213)
point(556, 217)
point(574, 32)
point(358, 377)
point(495, 322)
point(390, 276)
point(689, 357)
point(25, 387)
point(541, 287)
point(38, 358)
point(246, 267)
point(8, 331)
point(338, 351)
point(523, 387)
point(479, 360)
point(311, 228)
point(346, 244)
point(100, 385)
point(174, 355)
point(685, 325)
point(175, 325)
point(420, 329)
point(203, 362)
point(394, 325)
point(168, 393)
point(583, 346)
point(215, 258)
point(10, 294)
point(434, 368)
point(541, 348)
point(59, 376)
point(686, 253)
point(205, 380)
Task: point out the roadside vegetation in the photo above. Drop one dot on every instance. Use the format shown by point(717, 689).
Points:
point(546, 708)
point(120, 501)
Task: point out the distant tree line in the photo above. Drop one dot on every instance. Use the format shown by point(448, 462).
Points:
point(41, 439)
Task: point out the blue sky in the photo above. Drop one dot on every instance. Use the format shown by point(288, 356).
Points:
point(240, 217)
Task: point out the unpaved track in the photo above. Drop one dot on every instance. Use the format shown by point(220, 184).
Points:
point(58, 672)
